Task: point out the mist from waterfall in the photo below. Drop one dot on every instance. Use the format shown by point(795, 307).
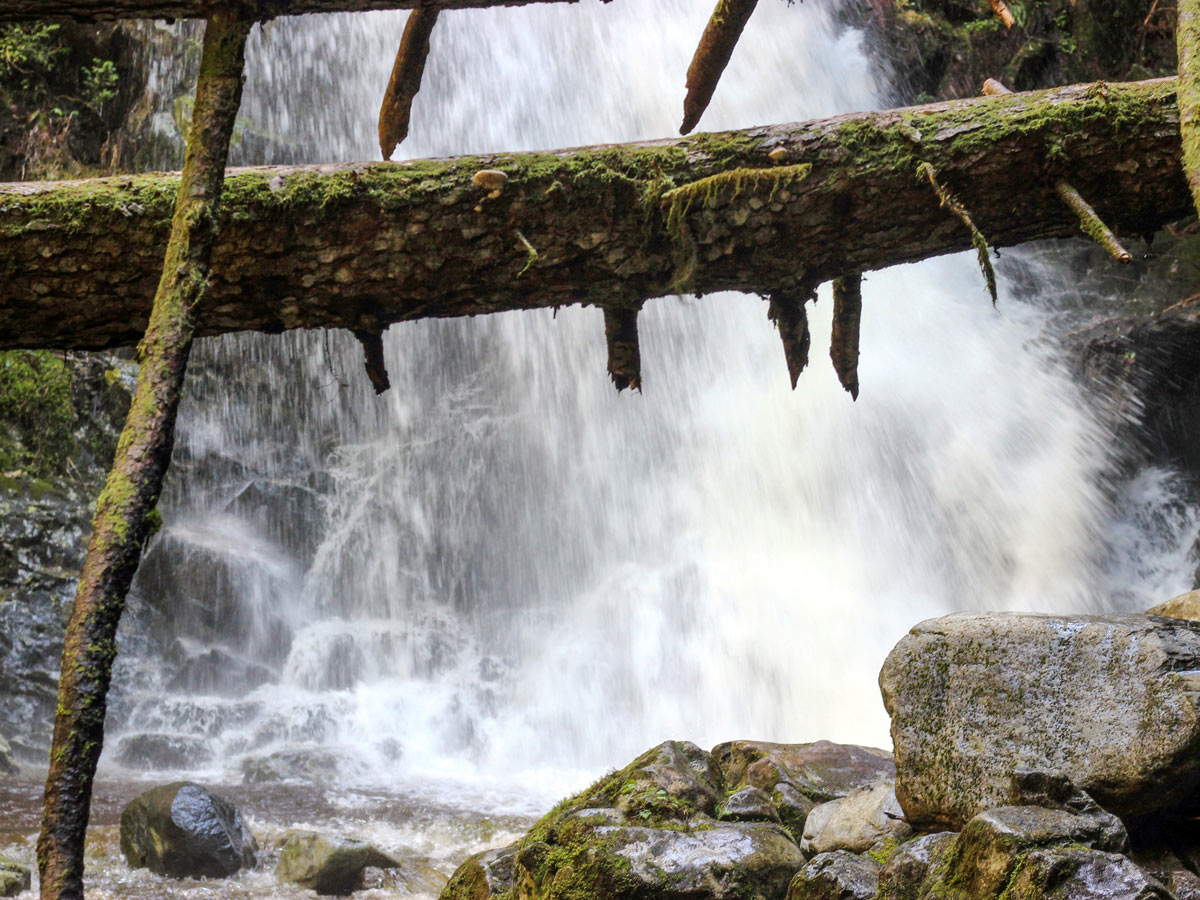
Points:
point(501, 572)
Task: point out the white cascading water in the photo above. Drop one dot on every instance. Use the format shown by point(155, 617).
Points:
point(501, 575)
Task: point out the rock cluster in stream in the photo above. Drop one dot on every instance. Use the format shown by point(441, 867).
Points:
point(1036, 757)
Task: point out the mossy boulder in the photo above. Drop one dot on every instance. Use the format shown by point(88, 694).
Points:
point(915, 868)
point(1111, 702)
point(328, 864)
point(14, 878)
point(648, 830)
point(821, 771)
point(839, 875)
point(1185, 606)
point(183, 830)
point(1072, 873)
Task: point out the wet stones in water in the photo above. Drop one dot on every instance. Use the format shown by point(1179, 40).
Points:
point(14, 878)
point(1112, 702)
point(156, 752)
point(484, 875)
point(8, 765)
point(839, 875)
point(328, 864)
point(182, 830)
point(308, 764)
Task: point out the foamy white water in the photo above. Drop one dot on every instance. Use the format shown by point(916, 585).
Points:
point(503, 575)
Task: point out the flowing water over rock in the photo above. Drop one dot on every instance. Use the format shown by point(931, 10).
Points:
point(451, 604)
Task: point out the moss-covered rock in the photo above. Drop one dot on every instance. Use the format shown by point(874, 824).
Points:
point(648, 830)
point(839, 875)
point(914, 870)
point(14, 878)
point(328, 864)
point(1185, 606)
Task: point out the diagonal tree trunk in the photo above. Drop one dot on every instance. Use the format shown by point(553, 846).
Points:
point(124, 509)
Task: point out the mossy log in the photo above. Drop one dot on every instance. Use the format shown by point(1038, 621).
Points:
point(257, 10)
point(125, 511)
point(1187, 36)
point(765, 210)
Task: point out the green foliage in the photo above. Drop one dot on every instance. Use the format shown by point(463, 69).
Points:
point(36, 412)
point(99, 84)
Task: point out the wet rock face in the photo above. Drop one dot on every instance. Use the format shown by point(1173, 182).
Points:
point(328, 864)
point(182, 830)
point(1110, 702)
point(865, 820)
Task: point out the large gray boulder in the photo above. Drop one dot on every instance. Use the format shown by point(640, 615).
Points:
point(328, 864)
point(182, 830)
point(1111, 702)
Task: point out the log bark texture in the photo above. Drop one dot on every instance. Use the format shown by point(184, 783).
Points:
point(124, 511)
point(1187, 37)
point(102, 10)
point(361, 246)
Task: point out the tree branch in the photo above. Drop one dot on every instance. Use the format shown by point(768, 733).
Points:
point(367, 245)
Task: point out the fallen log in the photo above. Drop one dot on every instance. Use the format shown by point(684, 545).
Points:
point(766, 210)
point(102, 10)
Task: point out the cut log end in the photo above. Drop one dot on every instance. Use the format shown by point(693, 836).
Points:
point(787, 311)
point(843, 344)
point(372, 344)
point(624, 354)
point(406, 77)
point(712, 56)
point(1003, 13)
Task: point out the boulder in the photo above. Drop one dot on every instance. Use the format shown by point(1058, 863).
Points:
point(916, 867)
point(328, 864)
point(484, 875)
point(750, 804)
point(868, 819)
point(182, 830)
point(836, 876)
point(1168, 870)
point(1111, 702)
point(1070, 873)
point(14, 878)
point(821, 771)
point(1185, 606)
point(308, 764)
point(994, 844)
point(649, 829)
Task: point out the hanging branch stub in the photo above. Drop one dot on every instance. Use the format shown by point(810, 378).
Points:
point(406, 79)
point(712, 56)
point(843, 342)
point(624, 353)
point(787, 311)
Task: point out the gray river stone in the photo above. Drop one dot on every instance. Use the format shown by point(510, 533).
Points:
point(328, 864)
point(867, 819)
point(913, 870)
point(1111, 702)
point(484, 875)
point(1072, 873)
point(183, 830)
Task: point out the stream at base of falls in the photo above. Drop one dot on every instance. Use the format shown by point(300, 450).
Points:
point(420, 619)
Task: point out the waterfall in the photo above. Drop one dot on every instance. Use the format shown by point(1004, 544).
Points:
point(501, 571)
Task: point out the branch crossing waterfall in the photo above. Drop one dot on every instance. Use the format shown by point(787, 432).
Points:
point(429, 615)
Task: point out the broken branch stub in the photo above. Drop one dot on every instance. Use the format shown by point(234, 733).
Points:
point(624, 354)
point(712, 56)
point(843, 342)
point(372, 346)
point(787, 311)
point(406, 79)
